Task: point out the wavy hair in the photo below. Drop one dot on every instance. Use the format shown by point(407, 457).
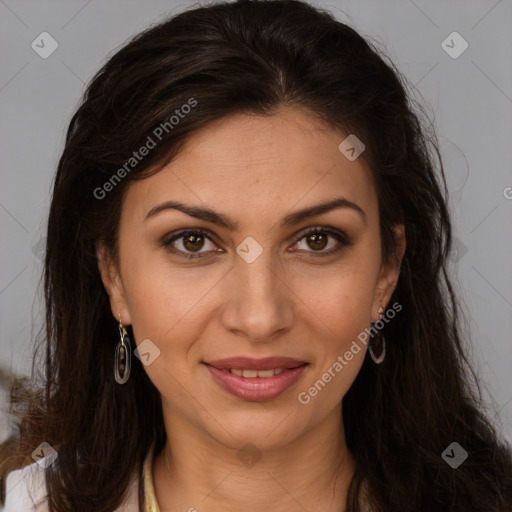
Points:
point(239, 57)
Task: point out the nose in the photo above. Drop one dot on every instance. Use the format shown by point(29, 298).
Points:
point(260, 306)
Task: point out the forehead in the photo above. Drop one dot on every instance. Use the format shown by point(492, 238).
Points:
point(245, 164)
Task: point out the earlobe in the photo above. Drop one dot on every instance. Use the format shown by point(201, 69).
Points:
point(111, 279)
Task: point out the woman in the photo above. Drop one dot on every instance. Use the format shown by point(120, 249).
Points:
point(247, 198)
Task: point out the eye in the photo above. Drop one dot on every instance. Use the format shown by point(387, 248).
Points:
point(318, 239)
point(189, 240)
point(188, 243)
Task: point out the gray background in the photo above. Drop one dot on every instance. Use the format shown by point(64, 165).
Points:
point(470, 101)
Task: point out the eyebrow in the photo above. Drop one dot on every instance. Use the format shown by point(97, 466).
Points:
point(220, 219)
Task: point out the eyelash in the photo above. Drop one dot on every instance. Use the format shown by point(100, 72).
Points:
point(342, 238)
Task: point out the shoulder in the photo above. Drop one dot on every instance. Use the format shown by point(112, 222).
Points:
point(25, 491)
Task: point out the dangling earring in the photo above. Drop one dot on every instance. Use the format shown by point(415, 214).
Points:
point(123, 356)
point(378, 360)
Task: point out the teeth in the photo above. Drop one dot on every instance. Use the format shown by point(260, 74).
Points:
point(266, 373)
point(251, 374)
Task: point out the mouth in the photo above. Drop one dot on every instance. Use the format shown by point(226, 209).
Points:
point(251, 374)
point(256, 379)
point(251, 365)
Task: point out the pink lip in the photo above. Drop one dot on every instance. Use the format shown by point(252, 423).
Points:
point(257, 389)
point(248, 363)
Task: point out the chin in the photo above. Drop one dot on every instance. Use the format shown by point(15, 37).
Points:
point(265, 431)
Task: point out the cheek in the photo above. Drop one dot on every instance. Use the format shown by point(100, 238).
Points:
point(341, 298)
point(166, 307)
point(337, 345)
point(159, 291)
point(340, 311)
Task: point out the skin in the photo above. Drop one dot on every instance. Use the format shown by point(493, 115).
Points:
point(298, 304)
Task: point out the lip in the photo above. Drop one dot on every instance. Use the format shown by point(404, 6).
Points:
point(257, 389)
point(249, 363)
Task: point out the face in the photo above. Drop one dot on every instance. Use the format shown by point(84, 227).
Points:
point(238, 273)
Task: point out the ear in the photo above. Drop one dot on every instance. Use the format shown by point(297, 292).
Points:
point(389, 273)
point(111, 278)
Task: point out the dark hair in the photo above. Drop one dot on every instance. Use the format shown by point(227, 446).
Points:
point(256, 56)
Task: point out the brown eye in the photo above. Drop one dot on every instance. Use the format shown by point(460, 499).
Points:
point(317, 239)
point(188, 242)
point(193, 242)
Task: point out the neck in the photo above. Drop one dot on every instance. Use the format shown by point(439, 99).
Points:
point(195, 471)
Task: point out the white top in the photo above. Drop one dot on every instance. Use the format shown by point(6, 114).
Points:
point(25, 491)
